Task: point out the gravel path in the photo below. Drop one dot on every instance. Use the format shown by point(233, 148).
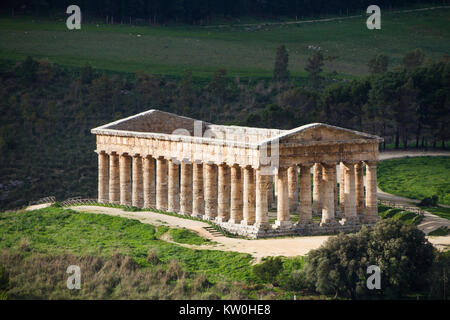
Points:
point(289, 247)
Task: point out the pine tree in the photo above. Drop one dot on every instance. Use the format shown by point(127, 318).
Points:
point(281, 72)
point(378, 64)
point(314, 68)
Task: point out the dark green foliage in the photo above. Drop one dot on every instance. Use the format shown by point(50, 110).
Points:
point(440, 232)
point(314, 68)
point(402, 253)
point(378, 64)
point(269, 269)
point(413, 59)
point(429, 201)
point(4, 279)
point(280, 72)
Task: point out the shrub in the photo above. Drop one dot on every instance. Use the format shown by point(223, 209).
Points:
point(153, 258)
point(401, 252)
point(4, 279)
point(429, 201)
point(269, 269)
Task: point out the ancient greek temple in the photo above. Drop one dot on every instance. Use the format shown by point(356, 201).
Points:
point(250, 181)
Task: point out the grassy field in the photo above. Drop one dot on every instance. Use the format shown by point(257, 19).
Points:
point(121, 257)
point(416, 178)
point(243, 51)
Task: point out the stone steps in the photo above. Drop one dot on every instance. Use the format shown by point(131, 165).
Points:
point(213, 231)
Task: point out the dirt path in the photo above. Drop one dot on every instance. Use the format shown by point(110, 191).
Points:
point(289, 247)
point(316, 20)
point(430, 222)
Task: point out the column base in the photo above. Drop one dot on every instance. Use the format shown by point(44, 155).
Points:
point(283, 224)
point(350, 221)
point(262, 226)
point(208, 218)
point(235, 221)
point(247, 222)
point(329, 223)
point(222, 220)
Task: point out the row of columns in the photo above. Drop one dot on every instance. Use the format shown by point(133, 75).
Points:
point(234, 194)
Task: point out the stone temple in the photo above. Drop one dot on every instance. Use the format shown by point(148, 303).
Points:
point(251, 182)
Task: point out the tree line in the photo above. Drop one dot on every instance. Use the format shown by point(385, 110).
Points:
point(199, 11)
point(48, 111)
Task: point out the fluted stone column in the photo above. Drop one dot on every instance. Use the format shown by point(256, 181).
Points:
point(103, 177)
point(335, 188)
point(328, 211)
point(223, 193)
point(341, 187)
point(317, 187)
point(210, 191)
point(293, 188)
point(161, 184)
point(350, 194)
point(138, 187)
point(249, 196)
point(359, 176)
point(149, 182)
point(270, 191)
point(125, 180)
point(173, 187)
point(371, 214)
point(198, 204)
point(114, 179)
point(262, 183)
point(305, 195)
point(283, 200)
point(186, 189)
point(236, 214)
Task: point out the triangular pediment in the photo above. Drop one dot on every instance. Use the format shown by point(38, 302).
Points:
point(320, 132)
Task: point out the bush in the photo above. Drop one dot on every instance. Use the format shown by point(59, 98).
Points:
point(429, 201)
point(153, 258)
point(269, 269)
point(4, 279)
point(401, 251)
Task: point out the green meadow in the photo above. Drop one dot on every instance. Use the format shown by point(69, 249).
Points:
point(243, 51)
point(416, 178)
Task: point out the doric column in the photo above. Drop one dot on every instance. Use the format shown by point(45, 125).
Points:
point(236, 194)
point(186, 188)
point(138, 191)
point(359, 176)
point(114, 179)
point(210, 191)
point(305, 194)
point(270, 197)
point(103, 178)
point(335, 189)
point(173, 187)
point(371, 215)
point(350, 191)
point(262, 183)
point(125, 180)
point(223, 193)
point(341, 187)
point(317, 187)
point(249, 196)
point(149, 183)
point(283, 201)
point(328, 212)
point(198, 205)
point(161, 184)
point(293, 188)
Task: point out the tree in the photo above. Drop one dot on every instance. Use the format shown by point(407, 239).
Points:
point(27, 70)
point(280, 72)
point(186, 91)
point(413, 58)
point(378, 64)
point(403, 254)
point(314, 68)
